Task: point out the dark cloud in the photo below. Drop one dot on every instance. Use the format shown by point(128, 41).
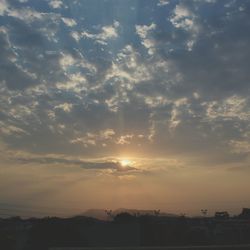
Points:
point(116, 166)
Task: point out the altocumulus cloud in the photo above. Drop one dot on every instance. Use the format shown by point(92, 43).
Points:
point(154, 78)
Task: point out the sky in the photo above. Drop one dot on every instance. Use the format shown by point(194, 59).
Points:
point(124, 103)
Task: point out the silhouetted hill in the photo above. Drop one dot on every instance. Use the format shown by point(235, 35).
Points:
point(142, 212)
point(127, 228)
point(101, 214)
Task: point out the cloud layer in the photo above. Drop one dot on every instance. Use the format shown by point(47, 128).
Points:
point(150, 79)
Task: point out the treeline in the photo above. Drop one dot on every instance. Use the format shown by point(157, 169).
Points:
point(123, 230)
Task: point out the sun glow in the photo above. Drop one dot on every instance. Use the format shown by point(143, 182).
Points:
point(125, 162)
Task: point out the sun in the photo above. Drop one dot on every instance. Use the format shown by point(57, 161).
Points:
point(125, 162)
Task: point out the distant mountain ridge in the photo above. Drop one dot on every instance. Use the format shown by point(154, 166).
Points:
point(101, 214)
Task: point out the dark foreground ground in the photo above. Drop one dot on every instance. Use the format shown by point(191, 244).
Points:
point(125, 232)
point(163, 248)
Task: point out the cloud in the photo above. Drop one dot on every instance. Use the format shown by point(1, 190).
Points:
point(162, 2)
point(92, 139)
point(32, 44)
point(88, 165)
point(69, 21)
point(144, 31)
point(9, 64)
point(241, 146)
point(10, 130)
point(230, 108)
point(184, 18)
point(66, 107)
point(106, 33)
point(3, 7)
point(125, 139)
point(55, 4)
point(84, 85)
point(179, 81)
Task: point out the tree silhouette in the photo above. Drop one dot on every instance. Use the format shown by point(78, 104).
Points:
point(204, 212)
point(109, 214)
point(157, 212)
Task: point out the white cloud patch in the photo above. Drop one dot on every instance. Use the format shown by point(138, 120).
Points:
point(128, 68)
point(27, 14)
point(102, 138)
point(107, 33)
point(67, 61)
point(76, 35)
point(176, 113)
point(66, 107)
point(230, 108)
point(69, 21)
point(55, 4)
point(144, 33)
point(7, 129)
point(76, 83)
point(163, 2)
point(125, 139)
point(184, 18)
